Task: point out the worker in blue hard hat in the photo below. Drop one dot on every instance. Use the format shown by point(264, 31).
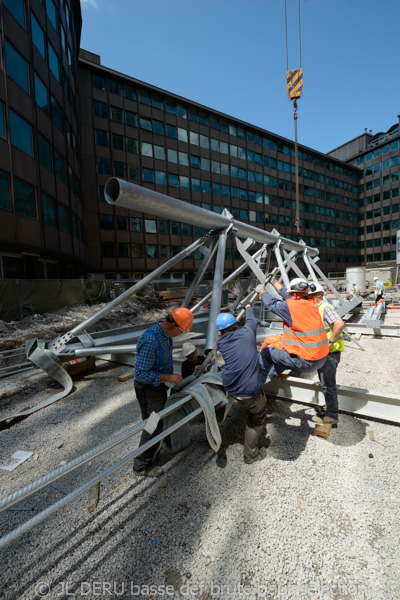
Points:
point(242, 377)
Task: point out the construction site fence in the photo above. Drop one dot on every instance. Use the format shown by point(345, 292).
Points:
point(22, 297)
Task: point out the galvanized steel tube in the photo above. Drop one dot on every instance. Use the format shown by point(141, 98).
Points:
point(119, 192)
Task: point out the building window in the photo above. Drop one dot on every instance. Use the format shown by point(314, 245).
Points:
point(133, 172)
point(158, 127)
point(107, 222)
point(103, 166)
point(53, 62)
point(131, 145)
point(119, 169)
point(114, 87)
point(116, 114)
point(173, 180)
point(45, 154)
point(51, 13)
point(145, 123)
point(20, 133)
point(42, 95)
point(25, 199)
point(117, 141)
point(63, 218)
point(100, 193)
point(172, 156)
point(17, 9)
point(101, 137)
point(148, 175)
point(99, 82)
point(100, 109)
point(147, 149)
point(5, 202)
point(57, 115)
point(17, 67)
point(171, 131)
point(161, 178)
point(49, 210)
point(129, 92)
point(38, 36)
point(159, 152)
point(122, 223)
point(130, 118)
point(144, 97)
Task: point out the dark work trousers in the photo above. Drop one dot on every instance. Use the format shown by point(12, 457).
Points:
point(257, 407)
point(327, 377)
point(150, 398)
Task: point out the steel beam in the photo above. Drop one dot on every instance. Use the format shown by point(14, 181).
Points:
point(129, 195)
point(358, 401)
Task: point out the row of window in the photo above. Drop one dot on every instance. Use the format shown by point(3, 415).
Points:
point(171, 107)
point(25, 201)
point(377, 152)
point(386, 164)
point(378, 256)
point(381, 226)
point(386, 210)
point(51, 159)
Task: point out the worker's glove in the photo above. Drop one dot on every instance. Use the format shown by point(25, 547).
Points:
point(259, 288)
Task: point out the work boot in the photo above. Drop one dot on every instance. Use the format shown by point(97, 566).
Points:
point(155, 472)
point(325, 420)
point(261, 454)
point(320, 410)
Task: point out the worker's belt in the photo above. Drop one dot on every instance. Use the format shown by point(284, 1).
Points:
point(146, 386)
point(242, 397)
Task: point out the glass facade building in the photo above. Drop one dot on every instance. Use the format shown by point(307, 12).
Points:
point(67, 124)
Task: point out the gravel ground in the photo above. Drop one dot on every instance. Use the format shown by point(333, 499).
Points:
point(316, 519)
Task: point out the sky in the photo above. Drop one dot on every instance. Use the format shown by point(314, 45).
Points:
point(230, 55)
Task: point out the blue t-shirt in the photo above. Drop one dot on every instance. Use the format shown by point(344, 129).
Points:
point(242, 375)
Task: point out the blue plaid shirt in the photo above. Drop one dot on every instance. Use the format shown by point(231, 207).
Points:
point(149, 364)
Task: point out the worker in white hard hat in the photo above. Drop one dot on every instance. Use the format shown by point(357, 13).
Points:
point(193, 361)
point(379, 289)
point(304, 344)
point(334, 326)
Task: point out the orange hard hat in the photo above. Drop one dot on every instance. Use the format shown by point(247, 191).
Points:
point(272, 340)
point(182, 317)
point(381, 300)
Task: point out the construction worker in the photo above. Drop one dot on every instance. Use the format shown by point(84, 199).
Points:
point(153, 369)
point(380, 293)
point(356, 290)
point(304, 344)
point(242, 376)
point(334, 326)
point(193, 361)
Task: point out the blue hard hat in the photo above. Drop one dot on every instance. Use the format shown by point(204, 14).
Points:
point(225, 320)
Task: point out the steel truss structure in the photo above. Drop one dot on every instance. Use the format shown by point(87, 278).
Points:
point(287, 254)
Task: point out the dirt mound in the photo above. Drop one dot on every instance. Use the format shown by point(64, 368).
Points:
point(49, 325)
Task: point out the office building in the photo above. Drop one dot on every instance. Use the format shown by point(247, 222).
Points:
point(69, 123)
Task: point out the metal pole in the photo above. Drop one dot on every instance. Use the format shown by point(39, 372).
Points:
point(123, 193)
point(199, 275)
point(327, 282)
point(72, 495)
point(215, 307)
point(231, 277)
point(309, 267)
point(138, 286)
point(282, 267)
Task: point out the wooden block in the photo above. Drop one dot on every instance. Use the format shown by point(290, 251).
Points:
point(125, 377)
point(79, 365)
point(357, 336)
point(93, 497)
point(322, 430)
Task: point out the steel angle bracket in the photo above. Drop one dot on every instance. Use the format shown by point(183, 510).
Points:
point(261, 276)
point(47, 361)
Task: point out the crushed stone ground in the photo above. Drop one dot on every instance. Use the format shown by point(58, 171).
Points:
point(315, 519)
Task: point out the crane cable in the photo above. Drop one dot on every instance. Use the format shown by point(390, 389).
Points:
point(294, 81)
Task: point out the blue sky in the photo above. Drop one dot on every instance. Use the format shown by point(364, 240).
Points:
point(230, 55)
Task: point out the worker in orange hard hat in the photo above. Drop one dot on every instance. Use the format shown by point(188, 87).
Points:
point(153, 369)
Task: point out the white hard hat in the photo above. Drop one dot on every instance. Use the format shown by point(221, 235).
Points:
point(188, 348)
point(298, 285)
point(316, 288)
point(376, 278)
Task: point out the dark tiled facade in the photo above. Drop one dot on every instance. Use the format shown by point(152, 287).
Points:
point(98, 123)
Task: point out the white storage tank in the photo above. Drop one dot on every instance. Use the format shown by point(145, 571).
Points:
point(355, 275)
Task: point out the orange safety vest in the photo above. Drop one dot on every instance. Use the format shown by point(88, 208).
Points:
point(272, 340)
point(307, 337)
